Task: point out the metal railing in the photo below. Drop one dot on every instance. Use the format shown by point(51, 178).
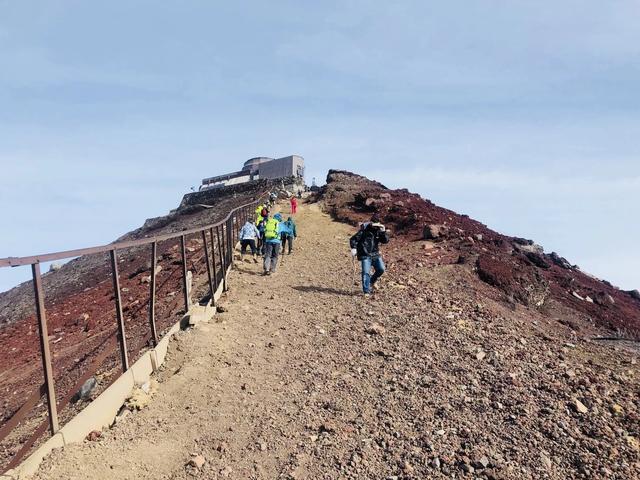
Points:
point(219, 238)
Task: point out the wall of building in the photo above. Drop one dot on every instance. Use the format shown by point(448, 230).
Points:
point(291, 166)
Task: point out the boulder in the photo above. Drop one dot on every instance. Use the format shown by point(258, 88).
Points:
point(434, 232)
point(375, 329)
point(54, 267)
point(634, 294)
point(521, 283)
point(527, 246)
point(537, 259)
point(604, 299)
point(197, 461)
point(579, 407)
point(385, 196)
point(86, 390)
point(560, 261)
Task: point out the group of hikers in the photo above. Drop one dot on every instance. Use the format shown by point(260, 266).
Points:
point(270, 234)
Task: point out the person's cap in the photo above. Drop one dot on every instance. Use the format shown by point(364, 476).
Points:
point(375, 218)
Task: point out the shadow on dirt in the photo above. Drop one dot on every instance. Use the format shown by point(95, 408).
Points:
point(314, 289)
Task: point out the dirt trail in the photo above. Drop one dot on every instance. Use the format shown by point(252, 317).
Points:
point(247, 386)
point(430, 378)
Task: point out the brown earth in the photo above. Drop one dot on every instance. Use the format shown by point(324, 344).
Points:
point(435, 376)
point(81, 317)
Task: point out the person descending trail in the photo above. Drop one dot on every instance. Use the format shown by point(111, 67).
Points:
point(289, 232)
point(272, 233)
point(249, 234)
point(365, 245)
point(294, 205)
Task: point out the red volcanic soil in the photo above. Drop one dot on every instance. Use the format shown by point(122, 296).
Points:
point(518, 268)
point(80, 307)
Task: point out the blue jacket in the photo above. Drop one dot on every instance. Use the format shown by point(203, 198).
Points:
point(249, 232)
point(289, 228)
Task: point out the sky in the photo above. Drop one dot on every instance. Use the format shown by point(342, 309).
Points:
point(524, 115)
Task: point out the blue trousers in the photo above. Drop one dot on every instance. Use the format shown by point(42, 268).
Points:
point(367, 279)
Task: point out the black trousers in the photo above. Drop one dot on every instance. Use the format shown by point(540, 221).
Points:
point(251, 243)
point(286, 239)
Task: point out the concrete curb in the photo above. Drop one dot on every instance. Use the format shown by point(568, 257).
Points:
point(102, 411)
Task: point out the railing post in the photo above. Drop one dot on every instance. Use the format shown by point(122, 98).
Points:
point(230, 235)
point(206, 258)
point(44, 349)
point(215, 273)
point(152, 293)
point(222, 262)
point(183, 252)
point(121, 331)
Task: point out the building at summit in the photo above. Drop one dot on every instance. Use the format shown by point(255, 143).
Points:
point(259, 168)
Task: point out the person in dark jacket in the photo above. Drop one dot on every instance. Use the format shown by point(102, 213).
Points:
point(365, 245)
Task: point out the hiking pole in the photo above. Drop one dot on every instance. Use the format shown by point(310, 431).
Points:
point(353, 275)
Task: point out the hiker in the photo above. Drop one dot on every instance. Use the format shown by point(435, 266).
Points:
point(364, 245)
point(249, 234)
point(258, 211)
point(288, 234)
point(272, 232)
point(262, 212)
point(260, 226)
point(294, 205)
point(272, 198)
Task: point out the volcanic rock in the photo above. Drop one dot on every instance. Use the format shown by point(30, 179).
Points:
point(434, 232)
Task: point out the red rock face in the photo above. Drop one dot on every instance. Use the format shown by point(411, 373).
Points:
point(516, 267)
point(79, 303)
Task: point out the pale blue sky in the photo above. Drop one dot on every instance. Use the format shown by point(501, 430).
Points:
point(522, 114)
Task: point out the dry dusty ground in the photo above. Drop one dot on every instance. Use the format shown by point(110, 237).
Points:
point(301, 378)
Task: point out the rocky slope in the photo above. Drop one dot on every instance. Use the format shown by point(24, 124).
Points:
point(518, 268)
point(435, 376)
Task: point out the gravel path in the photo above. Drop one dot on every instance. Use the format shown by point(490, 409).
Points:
point(304, 378)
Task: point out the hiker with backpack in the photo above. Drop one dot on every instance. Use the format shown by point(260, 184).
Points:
point(365, 246)
point(289, 232)
point(294, 205)
point(261, 216)
point(272, 243)
point(249, 235)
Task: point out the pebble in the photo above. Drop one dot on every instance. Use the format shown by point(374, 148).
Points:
point(197, 461)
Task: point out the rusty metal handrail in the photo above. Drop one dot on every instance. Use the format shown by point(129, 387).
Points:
point(49, 257)
point(226, 235)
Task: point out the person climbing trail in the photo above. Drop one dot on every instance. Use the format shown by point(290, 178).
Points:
point(272, 233)
point(365, 246)
point(262, 212)
point(289, 232)
point(294, 205)
point(249, 235)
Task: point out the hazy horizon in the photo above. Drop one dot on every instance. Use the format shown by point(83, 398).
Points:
point(523, 115)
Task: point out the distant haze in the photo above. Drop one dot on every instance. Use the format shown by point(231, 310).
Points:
point(524, 115)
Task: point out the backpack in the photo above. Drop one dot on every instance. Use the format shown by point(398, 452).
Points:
point(271, 229)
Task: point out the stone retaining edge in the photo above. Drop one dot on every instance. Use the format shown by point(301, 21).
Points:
point(102, 411)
